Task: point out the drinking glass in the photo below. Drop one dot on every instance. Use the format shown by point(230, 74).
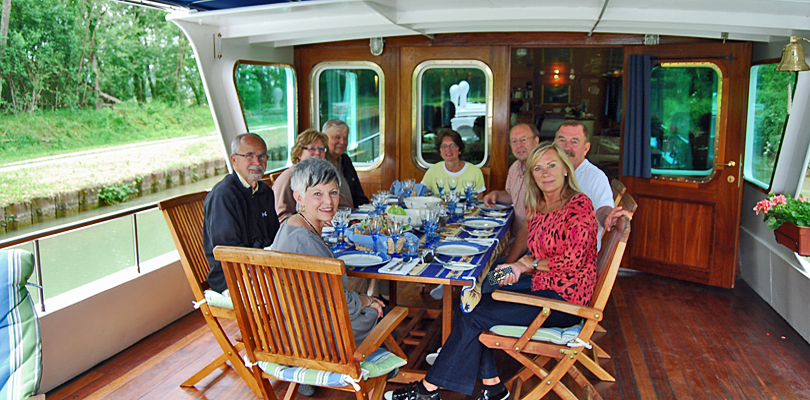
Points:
point(452, 183)
point(469, 188)
point(440, 185)
point(374, 225)
point(407, 187)
point(411, 249)
point(379, 200)
point(332, 239)
point(451, 198)
point(395, 230)
point(341, 221)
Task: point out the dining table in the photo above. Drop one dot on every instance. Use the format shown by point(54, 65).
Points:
point(438, 271)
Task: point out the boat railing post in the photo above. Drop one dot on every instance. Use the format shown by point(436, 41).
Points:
point(135, 242)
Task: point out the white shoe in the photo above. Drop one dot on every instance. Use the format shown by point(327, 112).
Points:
point(437, 292)
point(431, 358)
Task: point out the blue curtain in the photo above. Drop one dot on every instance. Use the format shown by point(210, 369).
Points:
point(637, 160)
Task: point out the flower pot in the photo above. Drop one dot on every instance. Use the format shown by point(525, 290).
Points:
point(796, 238)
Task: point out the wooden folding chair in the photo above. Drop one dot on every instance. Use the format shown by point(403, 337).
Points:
point(292, 311)
point(184, 215)
point(548, 361)
point(618, 189)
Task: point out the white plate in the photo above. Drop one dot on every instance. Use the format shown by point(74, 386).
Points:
point(460, 249)
point(478, 232)
point(363, 258)
point(496, 207)
point(481, 223)
point(365, 207)
point(459, 266)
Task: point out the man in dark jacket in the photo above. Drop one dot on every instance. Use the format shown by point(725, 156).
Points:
point(351, 191)
point(241, 209)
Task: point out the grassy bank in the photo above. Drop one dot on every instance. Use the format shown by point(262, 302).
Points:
point(47, 133)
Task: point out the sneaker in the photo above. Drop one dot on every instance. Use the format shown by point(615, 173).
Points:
point(306, 390)
point(437, 292)
point(487, 395)
point(410, 392)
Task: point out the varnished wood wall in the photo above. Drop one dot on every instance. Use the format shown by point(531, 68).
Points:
point(403, 54)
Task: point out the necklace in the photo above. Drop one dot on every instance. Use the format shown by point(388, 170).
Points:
point(310, 225)
point(315, 231)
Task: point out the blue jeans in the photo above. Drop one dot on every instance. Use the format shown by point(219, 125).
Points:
point(464, 359)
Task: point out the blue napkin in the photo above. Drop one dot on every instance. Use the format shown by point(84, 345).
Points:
point(382, 240)
point(419, 189)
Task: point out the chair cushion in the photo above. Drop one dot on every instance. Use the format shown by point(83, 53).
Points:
point(553, 335)
point(20, 343)
point(216, 299)
point(380, 362)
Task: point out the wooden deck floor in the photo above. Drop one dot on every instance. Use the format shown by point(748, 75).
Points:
point(668, 338)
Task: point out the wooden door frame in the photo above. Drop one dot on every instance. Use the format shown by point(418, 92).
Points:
point(732, 126)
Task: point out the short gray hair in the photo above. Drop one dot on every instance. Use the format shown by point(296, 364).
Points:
point(335, 122)
point(238, 140)
point(311, 172)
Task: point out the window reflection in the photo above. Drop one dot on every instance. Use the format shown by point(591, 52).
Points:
point(353, 92)
point(267, 95)
point(456, 97)
point(767, 115)
point(684, 99)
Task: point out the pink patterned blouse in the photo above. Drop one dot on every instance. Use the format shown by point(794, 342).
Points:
point(567, 237)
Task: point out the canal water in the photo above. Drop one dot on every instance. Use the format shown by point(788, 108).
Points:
point(72, 259)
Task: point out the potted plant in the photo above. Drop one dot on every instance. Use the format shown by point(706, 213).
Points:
point(790, 219)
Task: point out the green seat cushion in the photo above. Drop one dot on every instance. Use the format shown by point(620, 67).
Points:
point(380, 362)
point(216, 299)
point(20, 342)
point(553, 335)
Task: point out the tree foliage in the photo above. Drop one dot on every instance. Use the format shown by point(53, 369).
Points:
point(85, 53)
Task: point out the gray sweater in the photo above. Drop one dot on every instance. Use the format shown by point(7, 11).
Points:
point(300, 240)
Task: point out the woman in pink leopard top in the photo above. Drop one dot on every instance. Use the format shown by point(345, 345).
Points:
point(562, 231)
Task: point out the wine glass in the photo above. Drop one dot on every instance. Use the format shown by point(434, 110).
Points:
point(469, 188)
point(440, 185)
point(341, 221)
point(407, 187)
point(395, 230)
point(452, 183)
point(374, 225)
point(379, 200)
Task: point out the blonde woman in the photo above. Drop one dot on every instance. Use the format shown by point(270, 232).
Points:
point(562, 239)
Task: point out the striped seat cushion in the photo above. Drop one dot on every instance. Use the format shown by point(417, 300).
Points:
point(20, 343)
point(553, 335)
point(379, 363)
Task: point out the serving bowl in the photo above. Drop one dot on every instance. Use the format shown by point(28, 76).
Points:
point(421, 201)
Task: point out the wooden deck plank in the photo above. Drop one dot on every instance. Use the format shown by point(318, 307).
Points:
point(667, 338)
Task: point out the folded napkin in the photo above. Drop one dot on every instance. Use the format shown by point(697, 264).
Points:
point(482, 241)
point(368, 242)
point(399, 267)
point(418, 189)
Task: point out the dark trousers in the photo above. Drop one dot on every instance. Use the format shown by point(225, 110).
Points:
point(464, 359)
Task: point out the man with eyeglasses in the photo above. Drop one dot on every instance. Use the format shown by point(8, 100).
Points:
point(240, 209)
point(351, 190)
point(523, 138)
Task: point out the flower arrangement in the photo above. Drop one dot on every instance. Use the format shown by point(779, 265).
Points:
point(783, 208)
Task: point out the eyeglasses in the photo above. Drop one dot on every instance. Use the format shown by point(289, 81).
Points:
point(315, 148)
point(251, 156)
point(448, 146)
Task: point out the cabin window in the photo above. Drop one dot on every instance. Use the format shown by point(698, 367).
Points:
point(267, 94)
point(353, 92)
point(456, 95)
point(684, 114)
point(768, 98)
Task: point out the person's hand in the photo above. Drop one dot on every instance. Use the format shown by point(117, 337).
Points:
point(490, 199)
point(511, 278)
point(378, 305)
point(614, 215)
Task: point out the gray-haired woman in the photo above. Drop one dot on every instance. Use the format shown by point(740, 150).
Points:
point(315, 188)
